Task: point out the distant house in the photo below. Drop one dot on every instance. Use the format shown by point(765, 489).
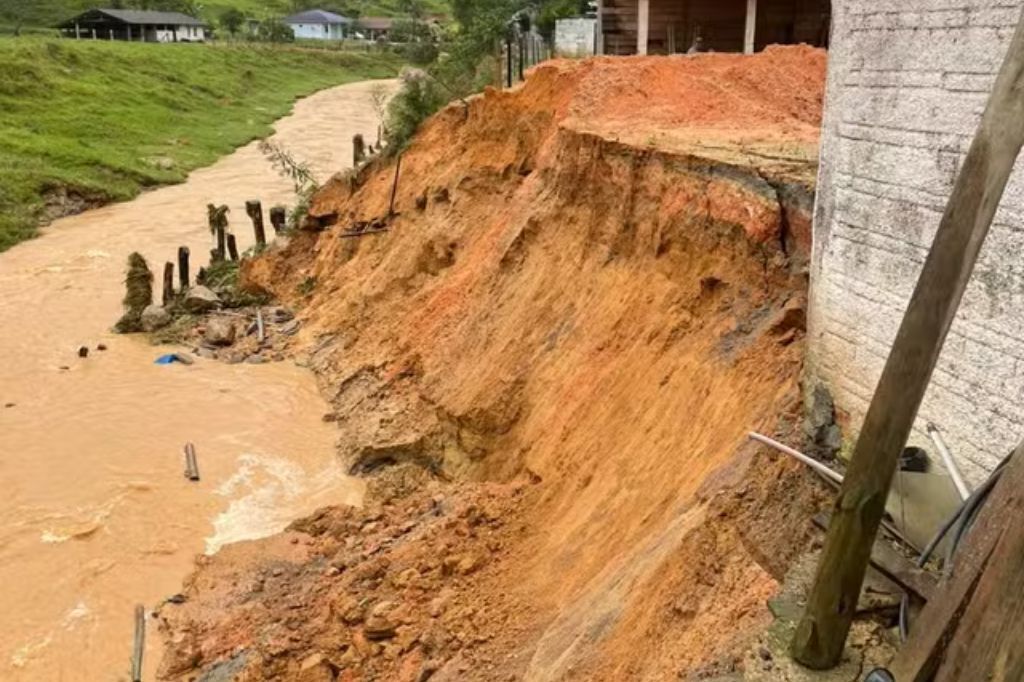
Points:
point(139, 25)
point(318, 24)
point(375, 28)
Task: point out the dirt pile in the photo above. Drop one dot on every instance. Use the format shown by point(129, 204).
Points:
point(566, 333)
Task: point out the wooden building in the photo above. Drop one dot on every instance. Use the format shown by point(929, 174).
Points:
point(671, 26)
point(135, 25)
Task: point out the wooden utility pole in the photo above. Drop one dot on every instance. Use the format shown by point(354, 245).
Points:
point(821, 634)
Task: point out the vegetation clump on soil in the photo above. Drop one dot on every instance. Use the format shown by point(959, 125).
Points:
point(84, 122)
point(138, 283)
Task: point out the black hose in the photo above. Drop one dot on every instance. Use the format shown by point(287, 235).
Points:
point(962, 518)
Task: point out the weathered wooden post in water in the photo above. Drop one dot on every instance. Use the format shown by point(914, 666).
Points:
point(183, 267)
point(821, 634)
point(255, 210)
point(279, 219)
point(168, 283)
point(232, 247)
point(218, 217)
point(358, 150)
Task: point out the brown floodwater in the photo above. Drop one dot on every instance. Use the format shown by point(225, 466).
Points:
point(95, 514)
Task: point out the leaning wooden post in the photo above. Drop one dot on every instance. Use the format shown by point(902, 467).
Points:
point(168, 283)
point(255, 210)
point(358, 150)
point(232, 247)
point(821, 634)
point(394, 186)
point(183, 254)
point(279, 219)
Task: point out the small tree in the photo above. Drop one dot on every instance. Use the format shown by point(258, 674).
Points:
point(276, 31)
point(231, 20)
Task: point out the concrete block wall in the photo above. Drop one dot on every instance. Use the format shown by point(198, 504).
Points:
point(908, 81)
point(575, 37)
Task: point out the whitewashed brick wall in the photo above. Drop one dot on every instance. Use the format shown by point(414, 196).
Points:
point(908, 80)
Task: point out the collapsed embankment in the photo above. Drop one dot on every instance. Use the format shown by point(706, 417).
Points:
point(594, 286)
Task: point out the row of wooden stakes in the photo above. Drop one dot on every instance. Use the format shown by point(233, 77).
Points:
point(227, 246)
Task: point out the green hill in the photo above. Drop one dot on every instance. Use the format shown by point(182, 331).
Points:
point(105, 119)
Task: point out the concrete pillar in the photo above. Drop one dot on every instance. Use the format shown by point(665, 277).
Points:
point(599, 29)
point(643, 24)
point(78, 32)
point(751, 25)
point(129, 33)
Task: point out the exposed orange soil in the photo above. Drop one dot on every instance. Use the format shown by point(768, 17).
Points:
point(572, 334)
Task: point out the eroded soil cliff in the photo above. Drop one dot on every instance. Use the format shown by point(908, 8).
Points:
point(593, 287)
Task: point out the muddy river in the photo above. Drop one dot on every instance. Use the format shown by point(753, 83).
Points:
point(95, 514)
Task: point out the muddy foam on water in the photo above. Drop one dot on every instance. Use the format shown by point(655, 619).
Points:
point(95, 515)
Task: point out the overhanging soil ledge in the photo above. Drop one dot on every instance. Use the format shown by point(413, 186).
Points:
point(594, 287)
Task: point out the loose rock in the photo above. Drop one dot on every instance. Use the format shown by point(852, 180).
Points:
point(220, 331)
point(155, 317)
point(201, 299)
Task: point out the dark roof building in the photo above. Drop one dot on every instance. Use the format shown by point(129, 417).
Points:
point(131, 24)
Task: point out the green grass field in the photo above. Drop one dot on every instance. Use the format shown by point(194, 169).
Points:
point(106, 119)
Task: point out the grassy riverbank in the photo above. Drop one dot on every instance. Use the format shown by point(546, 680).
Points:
point(100, 121)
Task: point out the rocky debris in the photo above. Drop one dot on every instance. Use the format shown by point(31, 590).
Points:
point(155, 317)
point(370, 599)
point(220, 331)
point(207, 353)
point(820, 427)
point(200, 299)
point(255, 359)
point(278, 315)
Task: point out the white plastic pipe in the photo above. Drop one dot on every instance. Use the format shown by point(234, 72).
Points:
point(947, 460)
point(809, 461)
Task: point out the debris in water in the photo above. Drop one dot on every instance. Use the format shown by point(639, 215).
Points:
point(83, 351)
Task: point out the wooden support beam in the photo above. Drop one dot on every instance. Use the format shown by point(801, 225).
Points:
point(643, 25)
point(989, 642)
point(821, 634)
point(750, 27)
point(279, 219)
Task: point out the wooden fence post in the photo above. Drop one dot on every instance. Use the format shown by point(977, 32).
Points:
point(279, 219)
point(821, 634)
point(183, 254)
point(255, 210)
point(168, 283)
point(232, 247)
point(358, 150)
